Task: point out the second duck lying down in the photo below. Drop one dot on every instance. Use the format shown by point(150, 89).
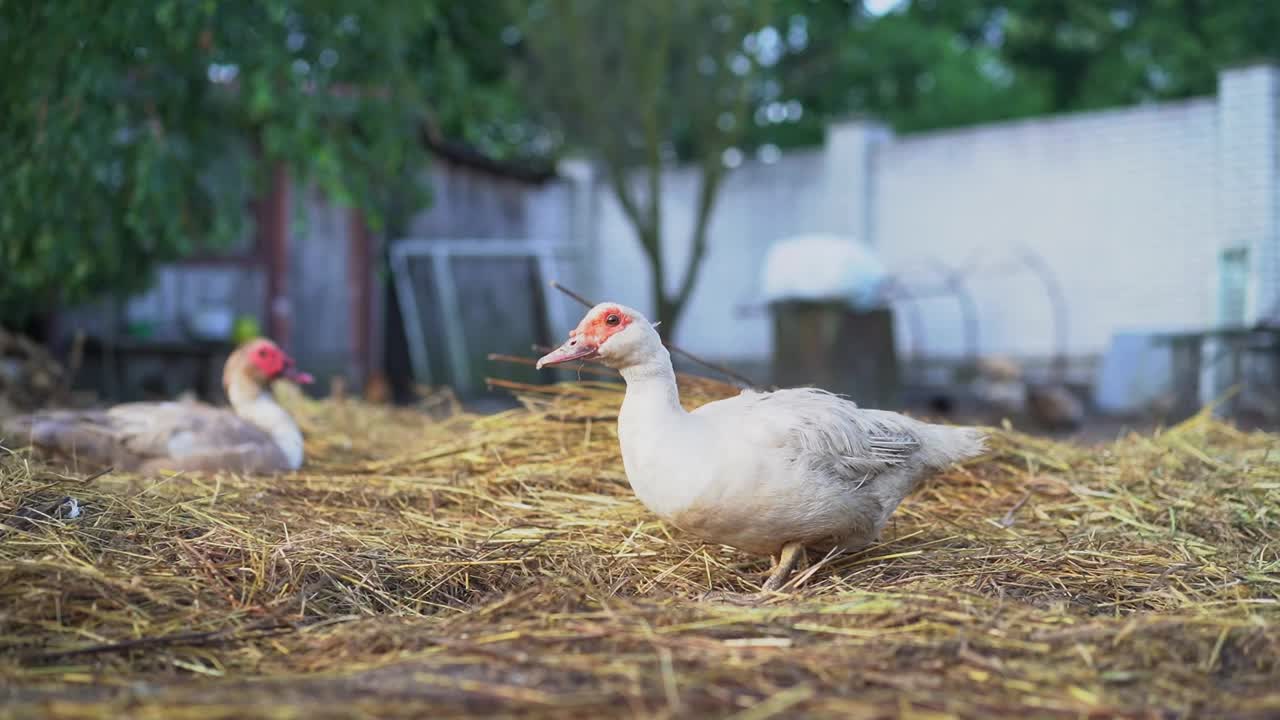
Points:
point(767, 473)
point(256, 435)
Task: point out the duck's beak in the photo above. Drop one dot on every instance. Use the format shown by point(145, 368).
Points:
point(292, 373)
point(577, 348)
point(299, 377)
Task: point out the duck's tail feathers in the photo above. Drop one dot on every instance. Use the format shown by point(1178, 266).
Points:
point(946, 444)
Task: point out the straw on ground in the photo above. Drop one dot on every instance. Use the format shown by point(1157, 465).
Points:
point(475, 565)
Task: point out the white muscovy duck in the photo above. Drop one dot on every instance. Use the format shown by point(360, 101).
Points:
point(768, 473)
point(256, 435)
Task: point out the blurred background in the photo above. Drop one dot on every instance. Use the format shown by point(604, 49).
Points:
point(1067, 214)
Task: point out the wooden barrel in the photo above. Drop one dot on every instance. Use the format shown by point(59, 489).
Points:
point(830, 346)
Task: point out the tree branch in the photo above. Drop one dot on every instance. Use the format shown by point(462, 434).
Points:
point(708, 192)
point(715, 139)
point(652, 54)
point(630, 207)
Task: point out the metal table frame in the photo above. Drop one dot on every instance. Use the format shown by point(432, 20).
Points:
point(1187, 349)
point(441, 251)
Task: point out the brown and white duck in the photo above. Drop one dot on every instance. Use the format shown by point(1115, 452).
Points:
point(255, 435)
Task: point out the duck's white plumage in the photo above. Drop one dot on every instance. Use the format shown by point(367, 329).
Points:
point(762, 470)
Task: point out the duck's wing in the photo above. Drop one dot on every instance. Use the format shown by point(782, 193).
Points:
point(88, 436)
point(827, 430)
point(138, 436)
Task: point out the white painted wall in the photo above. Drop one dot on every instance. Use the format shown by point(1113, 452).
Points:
point(1120, 206)
point(1249, 178)
point(1129, 207)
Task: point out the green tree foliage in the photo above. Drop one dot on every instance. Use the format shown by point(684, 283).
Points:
point(1093, 54)
point(135, 133)
point(942, 63)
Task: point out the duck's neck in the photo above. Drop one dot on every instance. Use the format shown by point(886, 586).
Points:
point(651, 386)
point(255, 404)
point(651, 424)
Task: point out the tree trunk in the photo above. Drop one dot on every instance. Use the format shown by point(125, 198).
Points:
point(651, 241)
point(672, 307)
point(668, 314)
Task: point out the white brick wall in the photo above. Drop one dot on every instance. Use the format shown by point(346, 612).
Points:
point(1129, 207)
point(1118, 204)
point(1249, 179)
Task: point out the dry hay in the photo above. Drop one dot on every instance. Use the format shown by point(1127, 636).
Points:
point(501, 565)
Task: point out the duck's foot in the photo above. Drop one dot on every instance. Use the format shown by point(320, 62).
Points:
point(791, 553)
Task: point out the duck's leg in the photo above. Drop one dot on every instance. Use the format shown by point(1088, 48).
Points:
point(791, 552)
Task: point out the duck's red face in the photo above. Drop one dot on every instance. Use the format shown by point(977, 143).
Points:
point(600, 324)
point(272, 363)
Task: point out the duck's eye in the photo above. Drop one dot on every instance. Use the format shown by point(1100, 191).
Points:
point(612, 319)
